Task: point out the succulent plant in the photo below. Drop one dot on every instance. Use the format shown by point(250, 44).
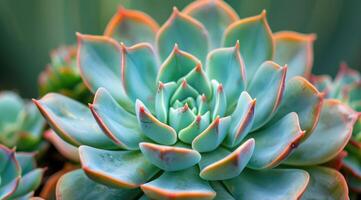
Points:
point(347, 88)
point(62, 75)
point(199, 109)
point(19, 176)
point(21, 124)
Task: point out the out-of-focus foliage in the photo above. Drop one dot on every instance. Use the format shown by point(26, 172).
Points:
point(21, 125)
point(30, 29)
point(62, 75)
point(347, 88)
point(19, 175)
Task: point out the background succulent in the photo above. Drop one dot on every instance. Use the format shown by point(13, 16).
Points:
point(21, 124)
point(19, 176)
point(62, 75)
point(217, 119)
point(347, 88)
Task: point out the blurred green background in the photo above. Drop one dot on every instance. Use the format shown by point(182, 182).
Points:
point(30, 29)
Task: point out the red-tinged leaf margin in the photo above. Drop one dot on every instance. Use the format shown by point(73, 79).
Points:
point(170, 20)
point(262, 17)
point(200, 3)
point(294, 37)
point(93, 38)
point(56, 128)
point(133, 14)
point(124, 50)
point(11, 153)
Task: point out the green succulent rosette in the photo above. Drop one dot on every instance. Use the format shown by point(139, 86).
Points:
point(205, 107)
point(347, 88)
point(21, 124)
point(19, 176)
point(62, 75)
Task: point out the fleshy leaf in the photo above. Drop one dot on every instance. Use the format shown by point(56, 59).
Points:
point(331, 135)
point(65, 149)
point(199, 81)
point(227, 67)
point(178, 64)
point(199, 124)
point(255, 39)
point(241, 120)
point(75, 185)
point(99, 61)
point(72, 121)
point(325, 183)
point(219, 100)
point(202, 104)
point(295, 50)
point(180, 118)
point(268, 184)
point(214, 15)
point(184, 91)
point(212, 136)
point(10, 172)
point(169, 158)
point(268, 81)
point(275, 142)
point(131, 27)
point(230, 166)
point(152, 127)
point(139, 71)
point(185, 31)
point(28, 183)
point(125, 169)
point(26, 161)
point(162, 100)
point(185, 184)
point(120, 125)
point(301, 97)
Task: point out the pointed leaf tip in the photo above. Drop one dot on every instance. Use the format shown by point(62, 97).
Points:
point(214, 15)
point(178, 64)
point(256, 41)
point(173, 31)
point(231, 165)
point(212, 136)
point(139, 64)
point(296, 50)
point(152, 127)
point(72, 121)
point(270, 150)
point(330, 136)
point(131, 27)
point(99, 62)
point(118, 124)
